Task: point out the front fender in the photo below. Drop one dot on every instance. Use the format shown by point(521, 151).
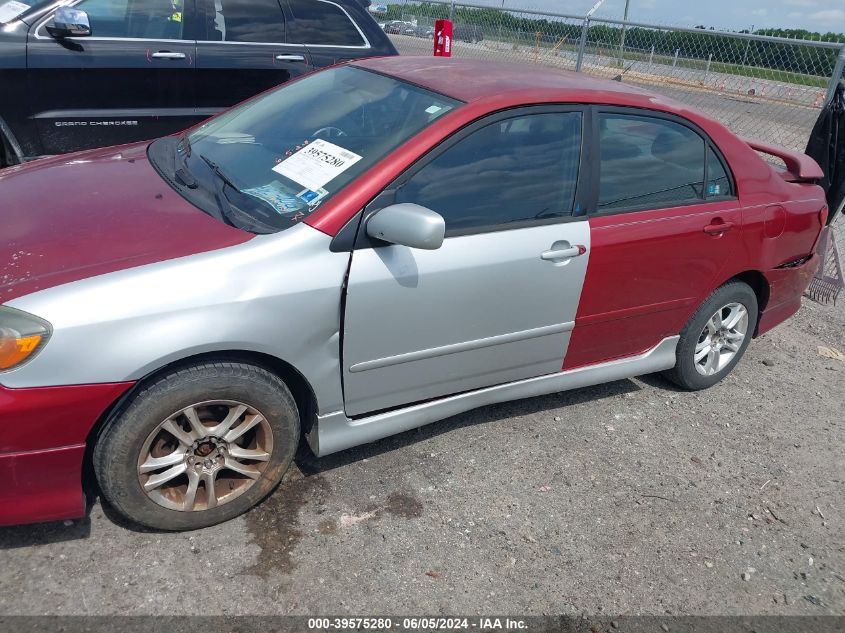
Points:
point(277, 295)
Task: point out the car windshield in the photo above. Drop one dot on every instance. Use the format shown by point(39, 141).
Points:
point(271, 162)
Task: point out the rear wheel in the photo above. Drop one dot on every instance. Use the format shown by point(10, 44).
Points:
point(198, 446)
point(716, 337)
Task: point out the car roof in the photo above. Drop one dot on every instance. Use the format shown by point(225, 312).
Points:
point(477, 79)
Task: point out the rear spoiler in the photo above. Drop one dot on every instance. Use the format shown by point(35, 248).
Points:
point(799, 166)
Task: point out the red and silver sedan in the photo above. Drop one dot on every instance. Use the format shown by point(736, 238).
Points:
point(368, 249)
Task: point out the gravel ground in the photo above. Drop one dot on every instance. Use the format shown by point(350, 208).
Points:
point(631, 497)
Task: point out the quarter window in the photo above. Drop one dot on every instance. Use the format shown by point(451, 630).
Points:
point(515, 170)
point(648, 162)
point(246, 21)
point(718, 181)
point(144, 19)
point(322, 22)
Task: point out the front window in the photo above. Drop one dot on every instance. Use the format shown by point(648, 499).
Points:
point(141, 19)
point(268, 164)
point(512, 172)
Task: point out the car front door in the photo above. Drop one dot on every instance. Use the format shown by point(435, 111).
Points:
point(242, 51)
point(497, 301)
point(130, 80)
point(665, 226)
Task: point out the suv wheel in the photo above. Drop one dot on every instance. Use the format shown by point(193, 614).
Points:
point(198, 446)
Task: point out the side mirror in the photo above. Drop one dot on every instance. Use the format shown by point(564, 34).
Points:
point(69, 22)
point(408, 225)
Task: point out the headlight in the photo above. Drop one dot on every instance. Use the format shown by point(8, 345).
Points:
point(21, 336)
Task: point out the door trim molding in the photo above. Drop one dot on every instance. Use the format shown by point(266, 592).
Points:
point(111, 113)
point(463, 346)
point(336, 432)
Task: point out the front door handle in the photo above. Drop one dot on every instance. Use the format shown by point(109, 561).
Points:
point(290, 58)
point(717, 227)
point(556, 254)
point(168, 55)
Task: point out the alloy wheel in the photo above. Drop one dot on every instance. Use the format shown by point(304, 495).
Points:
point(721, 339)
point(205, 455)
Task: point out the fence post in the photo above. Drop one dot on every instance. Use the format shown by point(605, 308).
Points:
point(452, 11)
point(584, 28)
point(675, 61)
point(651, 56)
point(707, 70)
point(582, 44)
point(622, 39)
point(835, 78)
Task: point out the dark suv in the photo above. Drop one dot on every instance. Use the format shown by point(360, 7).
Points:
point(103, 72)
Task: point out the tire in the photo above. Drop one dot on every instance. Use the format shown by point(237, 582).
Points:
point(722, 348)
point(170, 419)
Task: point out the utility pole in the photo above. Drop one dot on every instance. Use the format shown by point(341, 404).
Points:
point(622, 41)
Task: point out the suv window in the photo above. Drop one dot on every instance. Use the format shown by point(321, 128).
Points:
point(322, 22)
point(246, 21)
point(144, 19)
point(648, 162)
point(514, 170)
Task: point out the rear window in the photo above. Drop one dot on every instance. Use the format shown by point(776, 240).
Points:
point(322, 22)
point(647, 162)
point(247, 21)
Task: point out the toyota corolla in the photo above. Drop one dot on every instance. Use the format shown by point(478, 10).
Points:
point(366, 250)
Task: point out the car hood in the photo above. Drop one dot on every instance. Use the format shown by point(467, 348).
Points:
point(79, 215)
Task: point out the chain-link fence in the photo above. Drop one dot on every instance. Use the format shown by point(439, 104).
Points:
point(769, 88)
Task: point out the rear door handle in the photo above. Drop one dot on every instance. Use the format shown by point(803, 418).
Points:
point(563, 253)
point(168, 55)
point(290, 58)
point(717, 228)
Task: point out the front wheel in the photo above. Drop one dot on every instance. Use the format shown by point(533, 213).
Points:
point(716, 337)
point(197, 446)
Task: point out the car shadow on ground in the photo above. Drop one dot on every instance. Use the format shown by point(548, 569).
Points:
point(309, 465)
point(44, 533)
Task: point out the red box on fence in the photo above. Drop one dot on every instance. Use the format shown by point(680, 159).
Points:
point(443, 38)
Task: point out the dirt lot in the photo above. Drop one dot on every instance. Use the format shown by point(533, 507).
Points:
point(629, 498)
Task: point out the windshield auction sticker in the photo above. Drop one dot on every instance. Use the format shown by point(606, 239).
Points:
point(316, 164)
point(10, 10)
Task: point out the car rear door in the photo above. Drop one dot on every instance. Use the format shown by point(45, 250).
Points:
point(243, 51)
point(130, 80)
point(333, 32)
point(665, 225)
point(496, 302)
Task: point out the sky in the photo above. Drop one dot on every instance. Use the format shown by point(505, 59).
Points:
point(814, 15)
